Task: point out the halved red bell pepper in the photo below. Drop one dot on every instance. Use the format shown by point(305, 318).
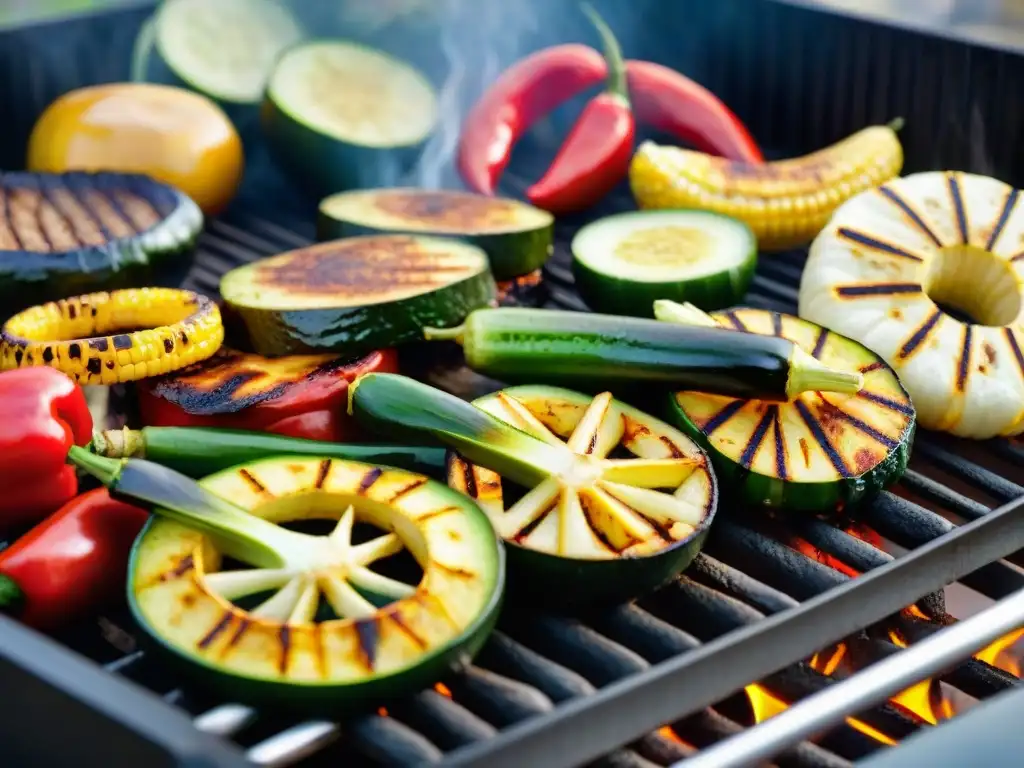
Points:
point(72, 563)
point(298, 396)
point(42, 414)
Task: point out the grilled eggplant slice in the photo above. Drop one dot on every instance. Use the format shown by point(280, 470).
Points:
point(66, 234)
point(357, 294)
point(597, 502)
point(253, 634)
point(819, 452)
point(298, 395)
point(516, 237)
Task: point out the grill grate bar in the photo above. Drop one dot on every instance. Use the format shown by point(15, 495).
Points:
point(288, 747)
point(876, 683)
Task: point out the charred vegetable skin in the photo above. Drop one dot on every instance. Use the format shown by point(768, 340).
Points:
point(599, 528)
point(92, 338)
point(516, 237)
point(201, 451)
point(42, 414)
point(65, 234)
point(299, 396)
point(817, 453)
point(276, 653)
point(598, 351)
point(358, 294)
point(72, 563)
point(785, 203)
point(601, 537)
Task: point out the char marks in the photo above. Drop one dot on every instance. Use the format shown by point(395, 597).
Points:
point(919, 336)
point(750, 449)
point(964, 364)
point(253, 481)
point(886, 402)
point(876, 245)
point(717, 421)
point(911, 214)
point(867, 290)
point(368, 634)
point(822, 439)
point(1011, 339)
point(322, 472)
point(956, 195)
point(819, 343)
point(1004, 216)
point(367, 481)
point(216, 630)
point(781, 468)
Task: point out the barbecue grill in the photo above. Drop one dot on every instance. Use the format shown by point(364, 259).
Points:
point(826, 622)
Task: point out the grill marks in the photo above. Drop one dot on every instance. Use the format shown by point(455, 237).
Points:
point(964, 364)
point(1004, 216)
point(909, 211)
point(869, 290)
point(874, 244)
point(919, 336)
point(955, 194)
point(57, 213)
point(822, 439)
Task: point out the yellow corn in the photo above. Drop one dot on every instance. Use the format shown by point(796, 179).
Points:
point(107, 338)
point(786, 203)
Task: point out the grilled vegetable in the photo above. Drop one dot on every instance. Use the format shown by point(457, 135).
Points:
point(358, 294)
point(201, 451)
point(173, 135)
point(94, 340)
point(516, 237)
point(72, 563)
point(785, 203)
point(818, 452)
point(899, 268)
point(597, 351)
point(589, 526)
point(252, 633)
point(224, 49)
point(624, 263)
point(342, 116)
point(43, 414)
point(300, 395)
point(70, 233)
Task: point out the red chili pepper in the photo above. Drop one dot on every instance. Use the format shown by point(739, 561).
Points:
point(595, 156)
point(71, 563)
point(664, 99)
point(298, 396)
point(523, 93)
point(42, 414)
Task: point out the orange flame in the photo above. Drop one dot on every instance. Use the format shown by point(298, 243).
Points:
point(996, 655)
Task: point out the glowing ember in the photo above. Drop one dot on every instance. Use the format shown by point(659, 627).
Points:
point(999, 655)
point(443, 690)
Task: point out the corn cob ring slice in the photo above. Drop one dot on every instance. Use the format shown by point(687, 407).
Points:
point(785, 203)
point(109, 338)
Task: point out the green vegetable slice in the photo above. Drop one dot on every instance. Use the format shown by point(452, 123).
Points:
point(339, 115)
point(68, 234)
point(378, 637)
point(623, 263)
point(358, 294)
point(223, 48)
point(516, 237)
point(604, 502)
point(819, 451)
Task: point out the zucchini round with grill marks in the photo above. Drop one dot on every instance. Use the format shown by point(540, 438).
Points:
point(516, 237)
point(604, 502)
point(248, 627)
point(624, 263)
point(358, 294)
point(818, 452)
point(65, 234)
point(339, 115)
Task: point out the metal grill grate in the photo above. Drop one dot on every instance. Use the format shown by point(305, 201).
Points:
point(751, 568)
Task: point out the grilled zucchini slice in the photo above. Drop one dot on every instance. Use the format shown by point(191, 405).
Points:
point(70, 234)
point(516, 237)
point(358, 294)
point(321, 630)
point(819, 452)
point(339, 115)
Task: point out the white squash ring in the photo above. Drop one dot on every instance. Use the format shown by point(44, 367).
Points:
point(892, 262)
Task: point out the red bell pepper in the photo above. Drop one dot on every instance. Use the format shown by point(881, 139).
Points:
point(298, 396)
point(42, 414)
point(72, 563)
point(595, 156)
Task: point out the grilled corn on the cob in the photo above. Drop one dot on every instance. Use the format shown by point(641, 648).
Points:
point(107, 338)
point(785, 203)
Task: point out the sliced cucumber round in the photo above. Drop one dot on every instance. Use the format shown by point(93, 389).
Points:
point(819, 452)
point(624, 263)
point(516, 237)
point(339, 115)
point(359, 294)
point(323, 631)
point(222, 48)
point(627, 511)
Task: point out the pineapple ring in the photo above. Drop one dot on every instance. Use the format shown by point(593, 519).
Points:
point(893, 265)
